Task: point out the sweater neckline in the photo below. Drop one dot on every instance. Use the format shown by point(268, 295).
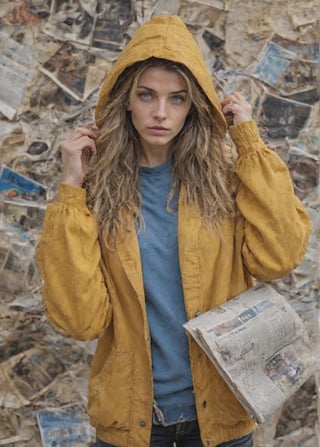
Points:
point(156, 170)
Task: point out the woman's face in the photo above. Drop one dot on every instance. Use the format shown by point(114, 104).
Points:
point(159, 106)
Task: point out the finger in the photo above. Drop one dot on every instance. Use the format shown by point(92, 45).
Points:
point(84, 131)
point(78, 145)
point(230, 107)
point(91, 125)
point(236, 99)
point(240, 96)
point(242, 102)
point(84, 143)
point(226, 101)
point(237, 95)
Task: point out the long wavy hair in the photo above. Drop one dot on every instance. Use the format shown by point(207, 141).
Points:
point(200, 162)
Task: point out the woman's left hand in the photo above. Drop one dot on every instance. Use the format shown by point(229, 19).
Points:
point(236, 109)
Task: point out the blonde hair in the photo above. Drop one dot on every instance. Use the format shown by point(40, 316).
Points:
point(200, 162)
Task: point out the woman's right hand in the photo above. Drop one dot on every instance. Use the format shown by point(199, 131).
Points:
point(77, 150)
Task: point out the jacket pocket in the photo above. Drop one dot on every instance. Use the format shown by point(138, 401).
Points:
point(110, 392)
point(221, 406)
point(229, 410)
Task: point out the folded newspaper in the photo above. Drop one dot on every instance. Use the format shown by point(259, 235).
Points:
point(259, 345)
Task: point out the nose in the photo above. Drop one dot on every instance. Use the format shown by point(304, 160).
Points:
point(160, 111)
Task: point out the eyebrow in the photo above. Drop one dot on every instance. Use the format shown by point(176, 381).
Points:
point(151, 90)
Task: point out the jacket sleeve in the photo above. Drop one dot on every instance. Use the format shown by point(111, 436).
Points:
point(68, 256)
point(275, 224)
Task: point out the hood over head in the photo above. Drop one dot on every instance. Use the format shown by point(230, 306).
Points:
point(165, 37)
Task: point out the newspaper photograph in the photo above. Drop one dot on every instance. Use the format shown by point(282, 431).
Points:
point(59, 427)
point(76, 71)
point(15, 185)
point(259, 345)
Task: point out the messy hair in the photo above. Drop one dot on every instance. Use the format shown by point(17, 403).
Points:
point(200, 162)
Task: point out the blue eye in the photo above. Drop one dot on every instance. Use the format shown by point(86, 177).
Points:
point(178, 99)
point(145, 96)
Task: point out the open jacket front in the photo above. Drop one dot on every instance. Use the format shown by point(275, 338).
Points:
point(91, 291)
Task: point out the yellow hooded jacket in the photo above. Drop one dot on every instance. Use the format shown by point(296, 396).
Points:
point(91, 291)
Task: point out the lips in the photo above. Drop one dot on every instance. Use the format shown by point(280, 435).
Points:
point(158, 130)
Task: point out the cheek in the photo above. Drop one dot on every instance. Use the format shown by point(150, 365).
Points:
point(139, 121)
point(134, 122)
point(138, 115)
point(186, 110)
point(183, 118)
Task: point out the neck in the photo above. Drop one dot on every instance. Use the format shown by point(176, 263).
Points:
point(153, 158)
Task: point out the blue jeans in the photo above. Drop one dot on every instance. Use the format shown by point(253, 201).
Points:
point(183, 434)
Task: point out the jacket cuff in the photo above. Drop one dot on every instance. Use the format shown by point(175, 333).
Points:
point(71, 195)
point(246, 137)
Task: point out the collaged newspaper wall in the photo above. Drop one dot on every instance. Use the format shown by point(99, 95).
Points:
point(53, 57)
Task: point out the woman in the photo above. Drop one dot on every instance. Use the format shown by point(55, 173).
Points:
point(155, 222)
